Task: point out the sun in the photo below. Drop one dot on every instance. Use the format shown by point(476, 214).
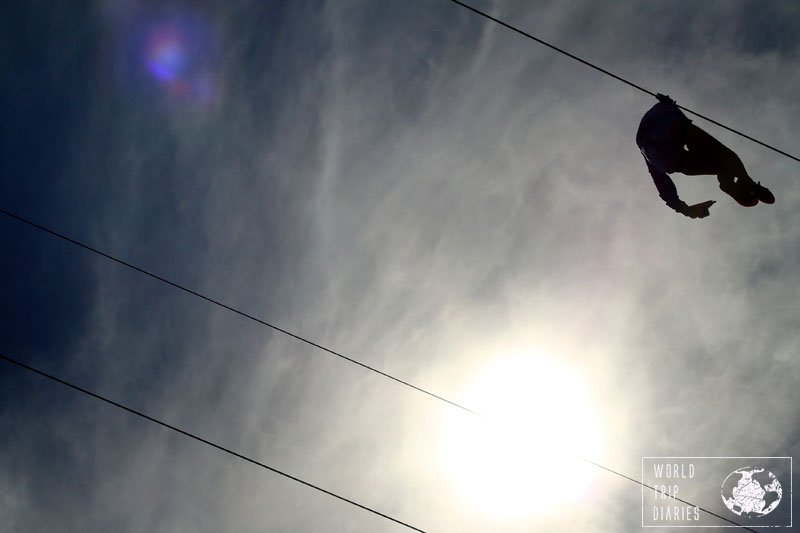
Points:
point(523, 456)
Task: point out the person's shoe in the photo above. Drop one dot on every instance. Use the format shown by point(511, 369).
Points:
point(764, 194)
point(761, 192)
point(739, 191)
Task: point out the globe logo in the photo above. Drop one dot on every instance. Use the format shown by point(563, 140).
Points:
point(751, 492)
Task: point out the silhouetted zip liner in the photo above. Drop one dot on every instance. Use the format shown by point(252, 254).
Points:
point(670, 143)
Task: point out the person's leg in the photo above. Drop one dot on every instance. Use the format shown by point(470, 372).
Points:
point(707, 155)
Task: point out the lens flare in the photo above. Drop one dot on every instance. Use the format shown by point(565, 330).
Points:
point(167, 53)
point(179, 54)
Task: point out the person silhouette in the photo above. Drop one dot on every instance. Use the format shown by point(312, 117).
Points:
point(670, 143)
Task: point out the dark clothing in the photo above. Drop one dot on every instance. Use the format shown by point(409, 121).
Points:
point(666, 188)
point(661, 138)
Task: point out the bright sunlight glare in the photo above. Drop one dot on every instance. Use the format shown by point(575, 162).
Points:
point(522, 456)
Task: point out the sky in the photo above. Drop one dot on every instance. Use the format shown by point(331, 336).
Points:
point(414, 187)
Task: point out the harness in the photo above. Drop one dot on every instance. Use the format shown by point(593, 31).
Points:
point(662, 136)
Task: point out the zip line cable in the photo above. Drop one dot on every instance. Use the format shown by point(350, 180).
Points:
point(228, 307)
point(611, 74)
point(290, 334)
point(205, 441)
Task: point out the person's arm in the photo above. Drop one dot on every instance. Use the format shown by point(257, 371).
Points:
point(669, 193)
point(666, 188)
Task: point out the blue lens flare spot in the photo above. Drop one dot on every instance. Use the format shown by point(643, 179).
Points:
point(165, 52)
point(168, 53)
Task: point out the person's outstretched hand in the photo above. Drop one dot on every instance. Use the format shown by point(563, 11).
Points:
point(698, 210)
